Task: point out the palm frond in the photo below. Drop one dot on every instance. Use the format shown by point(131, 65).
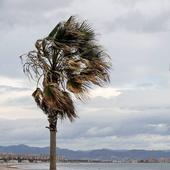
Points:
point(68, 107)
point(68, 58)
point(54, 102)
point(38, 96)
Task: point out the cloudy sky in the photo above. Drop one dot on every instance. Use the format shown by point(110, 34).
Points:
point(133, 112)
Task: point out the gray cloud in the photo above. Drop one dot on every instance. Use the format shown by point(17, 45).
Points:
point(135, 34)
point(140, 23)
point(33, 132)
point(30, 131)
point(27, 13)
point(21, 23)
point(6, 88)
point(25, 102)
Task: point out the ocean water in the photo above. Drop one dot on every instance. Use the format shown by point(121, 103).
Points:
point(98, 166)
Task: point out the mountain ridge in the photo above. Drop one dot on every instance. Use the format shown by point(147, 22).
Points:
point(97, 154)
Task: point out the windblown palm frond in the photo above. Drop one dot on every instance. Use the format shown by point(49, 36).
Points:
point(67, 60)
point(54, 102)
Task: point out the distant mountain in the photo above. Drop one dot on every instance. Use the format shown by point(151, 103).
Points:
point(24, 149)
point(101, 154)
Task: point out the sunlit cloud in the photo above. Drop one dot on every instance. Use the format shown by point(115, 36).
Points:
point(106, 92)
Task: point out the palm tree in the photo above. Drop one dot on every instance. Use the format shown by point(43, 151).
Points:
point(68, 61)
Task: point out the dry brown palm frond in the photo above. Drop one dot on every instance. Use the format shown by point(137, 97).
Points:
point(59, 102)
point(74, 86)
point(52, 94)
point(55, 103)
point(68, 58)
point(73, 65)
point(79, 89)
point(38, 96)
point(68, 107)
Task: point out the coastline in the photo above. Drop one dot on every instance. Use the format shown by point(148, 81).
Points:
point(8, 167)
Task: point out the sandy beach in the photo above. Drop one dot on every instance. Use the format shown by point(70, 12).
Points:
point(8, 167)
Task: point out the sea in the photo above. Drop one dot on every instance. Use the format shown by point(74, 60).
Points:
point(98, 166)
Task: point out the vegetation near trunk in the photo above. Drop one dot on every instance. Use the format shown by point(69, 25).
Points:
point(67, 61)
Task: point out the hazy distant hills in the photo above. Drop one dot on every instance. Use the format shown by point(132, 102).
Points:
point(101, 154)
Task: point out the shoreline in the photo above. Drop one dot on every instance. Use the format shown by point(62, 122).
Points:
point(8, 167)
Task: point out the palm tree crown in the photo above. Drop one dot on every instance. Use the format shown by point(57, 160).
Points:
point(68, 61)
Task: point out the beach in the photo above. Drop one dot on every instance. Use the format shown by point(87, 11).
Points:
point(93, 166)
point(8, 167)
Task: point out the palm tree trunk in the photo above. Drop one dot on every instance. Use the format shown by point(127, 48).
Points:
point(53, 131)
point(52, 149)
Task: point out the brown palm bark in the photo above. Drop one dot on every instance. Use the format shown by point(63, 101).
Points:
point(52, 150)
point(53, 157)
